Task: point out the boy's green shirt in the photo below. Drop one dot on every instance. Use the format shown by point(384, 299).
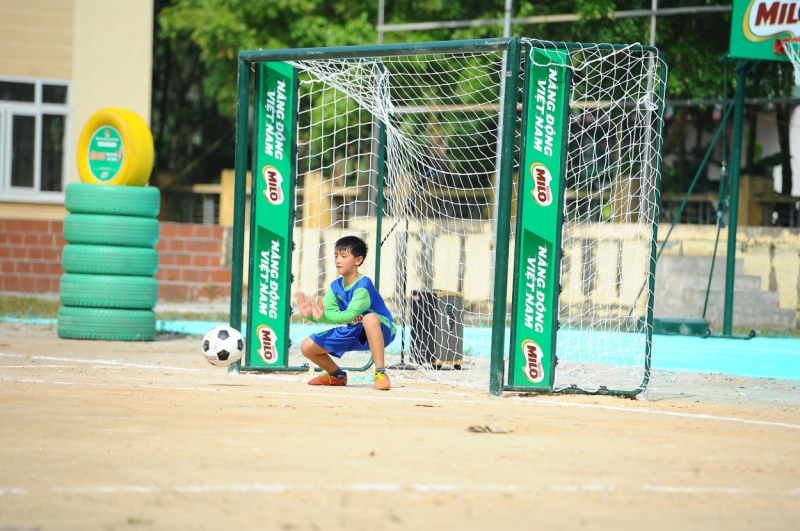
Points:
point(358, 305)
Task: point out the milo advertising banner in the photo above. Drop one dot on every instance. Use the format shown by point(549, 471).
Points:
point(756, 24)
point(273, 198)
point(106, 151)
point(539, 217)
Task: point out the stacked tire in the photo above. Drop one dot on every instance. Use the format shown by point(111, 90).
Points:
point(108, 290)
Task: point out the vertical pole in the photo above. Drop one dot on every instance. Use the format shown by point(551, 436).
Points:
point(239, 197)
point(381, 9)
point(507, 18)
point(379, 201)
point(653, 23)
point(526, 69)
point(662, 91)
point(406, 320)
point(498, 150)
point(511, 75)
point(733, 206)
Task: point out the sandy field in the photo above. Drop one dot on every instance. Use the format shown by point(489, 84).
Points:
point(109, 436)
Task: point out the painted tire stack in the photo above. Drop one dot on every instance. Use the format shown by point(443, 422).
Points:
point(108, 290)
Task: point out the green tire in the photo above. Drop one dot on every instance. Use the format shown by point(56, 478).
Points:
point(111, 325)
point(97, 229)
point(109, 291)
point(140, 201)
point(109, 260)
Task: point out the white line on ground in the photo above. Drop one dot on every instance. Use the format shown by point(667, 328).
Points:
point(698, 490)
point(433, 488)
point(303, 377)
point(585, 488)
point(14, 492)
point(37, 366)
point(699, 416)
point(256, 487)
point(92, 384)
point(278, 488)
point(107, 490)
point(100, 362)
point(379, 487)
point(383, 396)
point(547, 403)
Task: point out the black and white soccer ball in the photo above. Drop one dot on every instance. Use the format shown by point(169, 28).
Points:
point(223, 345)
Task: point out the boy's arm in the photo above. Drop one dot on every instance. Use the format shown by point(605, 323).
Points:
point(358, 305)
point(327, 301)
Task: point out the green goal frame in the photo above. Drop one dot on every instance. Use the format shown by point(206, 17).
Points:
point(263, 70)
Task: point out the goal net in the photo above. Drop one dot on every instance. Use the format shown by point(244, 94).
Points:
point(411, 150)
point(427, 218)
point(610, 212)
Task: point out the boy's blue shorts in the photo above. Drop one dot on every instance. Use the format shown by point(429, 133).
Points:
point(343, 339)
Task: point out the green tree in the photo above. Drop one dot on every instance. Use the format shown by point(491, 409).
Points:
point(193, 140)
point(197, 42)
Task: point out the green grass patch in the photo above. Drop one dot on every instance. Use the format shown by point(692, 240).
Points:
point(193, 316)
point(28, 307)
point(783, 333)
point(36, 308)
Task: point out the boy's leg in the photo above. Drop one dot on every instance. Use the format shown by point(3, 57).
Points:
point(372, 329)
point(374, 333)
point(317, 354)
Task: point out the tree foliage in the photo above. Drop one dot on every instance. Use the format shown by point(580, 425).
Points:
point(197, 42)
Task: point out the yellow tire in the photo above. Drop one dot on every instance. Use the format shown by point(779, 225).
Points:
point(116, 148)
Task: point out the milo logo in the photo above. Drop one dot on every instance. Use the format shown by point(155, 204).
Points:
point(106, 152)
point(541, 184)
point(767, 18)
point(267, 339)
point(533, 360)
point(273, 181)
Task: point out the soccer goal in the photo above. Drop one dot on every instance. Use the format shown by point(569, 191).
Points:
point(437, 155)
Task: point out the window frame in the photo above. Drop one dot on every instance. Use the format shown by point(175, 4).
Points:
point(37, 109)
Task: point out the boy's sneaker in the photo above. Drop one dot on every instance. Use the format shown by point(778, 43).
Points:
point(327, 379)
point(382, 382)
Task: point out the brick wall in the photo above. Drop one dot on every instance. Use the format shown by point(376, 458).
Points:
point(190, 258)
point(30, 255)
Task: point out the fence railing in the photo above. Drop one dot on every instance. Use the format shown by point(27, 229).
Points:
point(212, 204)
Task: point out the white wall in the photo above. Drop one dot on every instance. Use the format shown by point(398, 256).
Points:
point(36, 38)
point(794, 143)
point(112, 60)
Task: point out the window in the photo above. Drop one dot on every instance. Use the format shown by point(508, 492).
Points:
point(34, 122)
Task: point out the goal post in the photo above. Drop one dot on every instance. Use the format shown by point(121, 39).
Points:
point(444, 103)
point(584, 325)
point(541, 183)
point(427, 151)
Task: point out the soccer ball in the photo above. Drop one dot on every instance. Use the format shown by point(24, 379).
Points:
point(223, 345)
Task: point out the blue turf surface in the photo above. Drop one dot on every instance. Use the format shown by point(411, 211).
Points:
point(759, 357)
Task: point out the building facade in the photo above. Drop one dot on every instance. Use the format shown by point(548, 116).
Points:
point(60, 61)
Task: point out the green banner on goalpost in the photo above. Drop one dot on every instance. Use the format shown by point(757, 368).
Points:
point(272, 203)
point(539, 218)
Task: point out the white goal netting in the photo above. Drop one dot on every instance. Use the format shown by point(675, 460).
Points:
point(441, 122)
point(434, 225)
point(792, 49)
point(610, 213)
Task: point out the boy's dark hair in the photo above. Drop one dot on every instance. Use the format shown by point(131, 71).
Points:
point(354, 244)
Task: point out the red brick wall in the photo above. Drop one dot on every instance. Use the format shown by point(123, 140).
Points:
point(30, 255)
point(190, 259)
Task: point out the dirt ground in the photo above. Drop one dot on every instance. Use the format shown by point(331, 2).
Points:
point(111, 436)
